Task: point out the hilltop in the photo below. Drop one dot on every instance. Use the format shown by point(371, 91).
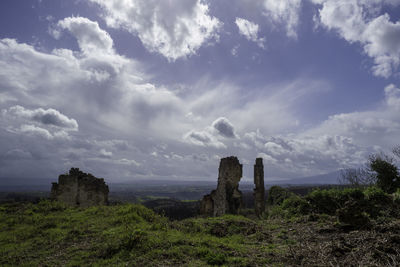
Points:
point(52, 234)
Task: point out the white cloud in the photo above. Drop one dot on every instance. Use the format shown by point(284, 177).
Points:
point(250, 31)
point(109, 94)
point(210, 136)
point(359, 21)
point(49, 117)
point(105, 154)
point(382, 125)
point(34, 130)
point(307, 155)
point(88, 34)
point(203, 138)
point(175, 29)
point(284, 12)
point(392, 97)
point(128, 162)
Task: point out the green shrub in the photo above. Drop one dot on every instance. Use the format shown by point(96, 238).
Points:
point(296, 205)
point(328, 201)
point(324, 201)
point(277, 194)
point(378, 203)
point(215, 258)
point(353, 215)
point(396, 197)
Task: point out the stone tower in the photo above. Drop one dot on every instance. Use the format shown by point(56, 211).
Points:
point(226, 198)
point(259, 191)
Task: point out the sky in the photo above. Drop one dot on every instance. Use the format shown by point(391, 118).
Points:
point(145, 89)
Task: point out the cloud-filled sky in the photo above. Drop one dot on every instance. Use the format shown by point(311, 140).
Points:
point(150, 89)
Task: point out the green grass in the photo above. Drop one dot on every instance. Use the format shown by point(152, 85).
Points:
point(51, 234)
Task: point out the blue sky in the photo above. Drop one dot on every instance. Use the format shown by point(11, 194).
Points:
point(141, 89)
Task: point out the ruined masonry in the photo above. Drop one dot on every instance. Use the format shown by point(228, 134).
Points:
point(80, 189)
point(259, 191)
point(226, 198)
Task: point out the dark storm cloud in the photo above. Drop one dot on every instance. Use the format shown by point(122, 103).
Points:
point(224, 127)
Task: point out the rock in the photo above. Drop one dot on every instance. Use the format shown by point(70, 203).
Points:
point(259, 191)
point(226, 198)
point(80, 189)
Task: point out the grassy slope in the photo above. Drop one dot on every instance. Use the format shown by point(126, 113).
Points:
point(49, 234)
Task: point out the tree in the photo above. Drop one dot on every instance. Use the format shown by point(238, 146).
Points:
point(379, 170)
point(387, 174)
point(396, 151)
point(360, 177)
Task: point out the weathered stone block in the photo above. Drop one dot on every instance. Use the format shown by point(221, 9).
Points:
point(259, 191)
point(80, 189)
point(226, 198)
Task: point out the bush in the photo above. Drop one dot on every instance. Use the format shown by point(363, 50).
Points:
point(215, 258)
point(296, 205)
point(396, 197)
point(328, 201)
point(277, 194)
point(353, 215)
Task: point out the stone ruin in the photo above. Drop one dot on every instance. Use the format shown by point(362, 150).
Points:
point(259, 191)
point(80, 189)
point(226, 198)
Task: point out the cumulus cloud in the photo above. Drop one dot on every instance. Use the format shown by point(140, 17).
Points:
point(211, 136)
point(360, 22)
point(224, 127)
point(109, 94)
point(88, 34)
point(307, 154)
point(284, 12)
point(49, 117)
point(175, 29)
point(104, 91)
point(249, 30)
point(381, 124)
point(203, 138)
point(105, 154)
point(34, 130)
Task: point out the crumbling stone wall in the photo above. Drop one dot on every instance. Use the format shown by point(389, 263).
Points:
point(226, 198)
point(259, 191)
point(80, 189)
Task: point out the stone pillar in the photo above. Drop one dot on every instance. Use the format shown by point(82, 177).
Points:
point(226, 198)
point(259, 191)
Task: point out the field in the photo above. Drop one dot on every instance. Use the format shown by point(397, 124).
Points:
point(51, 234)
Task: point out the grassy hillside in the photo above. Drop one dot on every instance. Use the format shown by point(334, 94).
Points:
point(50, 234)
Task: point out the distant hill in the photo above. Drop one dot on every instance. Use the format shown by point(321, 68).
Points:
point(329, 178)
point(44, 184)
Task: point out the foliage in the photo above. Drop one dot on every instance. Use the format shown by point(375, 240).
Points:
point(387, 174)
point(380, 170)
point(328, 201)
point(396, 196)
point(277, 194)
point(296, 205)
